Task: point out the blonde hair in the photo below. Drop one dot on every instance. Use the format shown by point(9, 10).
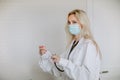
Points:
point(85, 31)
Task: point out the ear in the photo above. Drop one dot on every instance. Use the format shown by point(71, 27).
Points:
point(80, 25)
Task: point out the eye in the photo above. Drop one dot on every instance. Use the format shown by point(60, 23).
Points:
point(74, 22)
point(68, 22)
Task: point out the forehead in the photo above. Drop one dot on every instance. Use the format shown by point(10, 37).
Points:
point(72, 17)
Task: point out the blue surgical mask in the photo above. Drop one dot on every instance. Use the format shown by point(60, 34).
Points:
point(74, 29)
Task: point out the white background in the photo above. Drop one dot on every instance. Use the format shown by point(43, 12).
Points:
point(26, 24)
point(106, 29)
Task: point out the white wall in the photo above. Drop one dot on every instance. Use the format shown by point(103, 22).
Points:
point(106, 29)
point(26, 24)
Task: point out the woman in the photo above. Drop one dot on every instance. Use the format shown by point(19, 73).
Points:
point(81, 60)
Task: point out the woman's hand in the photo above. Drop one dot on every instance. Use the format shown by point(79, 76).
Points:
point(42, 50)
point(55, 58)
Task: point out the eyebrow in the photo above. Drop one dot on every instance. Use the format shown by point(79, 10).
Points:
point(72, 21)
point(68, 21)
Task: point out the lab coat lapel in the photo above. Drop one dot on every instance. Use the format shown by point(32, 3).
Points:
point(77, 46)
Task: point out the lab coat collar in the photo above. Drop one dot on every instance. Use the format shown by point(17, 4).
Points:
point(80, 41)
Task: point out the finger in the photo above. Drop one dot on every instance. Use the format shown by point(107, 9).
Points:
point(42, 49)
point(54, 59)
point(42, 46)
point(54, 56)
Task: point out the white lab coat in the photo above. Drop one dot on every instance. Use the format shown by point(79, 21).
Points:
point(83, 63)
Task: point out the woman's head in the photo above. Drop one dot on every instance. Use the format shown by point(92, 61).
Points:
point(80, 18)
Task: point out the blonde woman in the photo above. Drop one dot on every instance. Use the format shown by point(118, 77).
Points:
point(81, 60)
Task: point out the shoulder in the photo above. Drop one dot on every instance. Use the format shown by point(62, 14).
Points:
point(89, 43)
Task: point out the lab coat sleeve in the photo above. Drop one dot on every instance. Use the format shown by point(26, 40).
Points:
point(47, 65)
point(88, 70)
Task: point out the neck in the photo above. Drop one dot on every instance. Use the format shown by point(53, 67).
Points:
point(76, 37)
